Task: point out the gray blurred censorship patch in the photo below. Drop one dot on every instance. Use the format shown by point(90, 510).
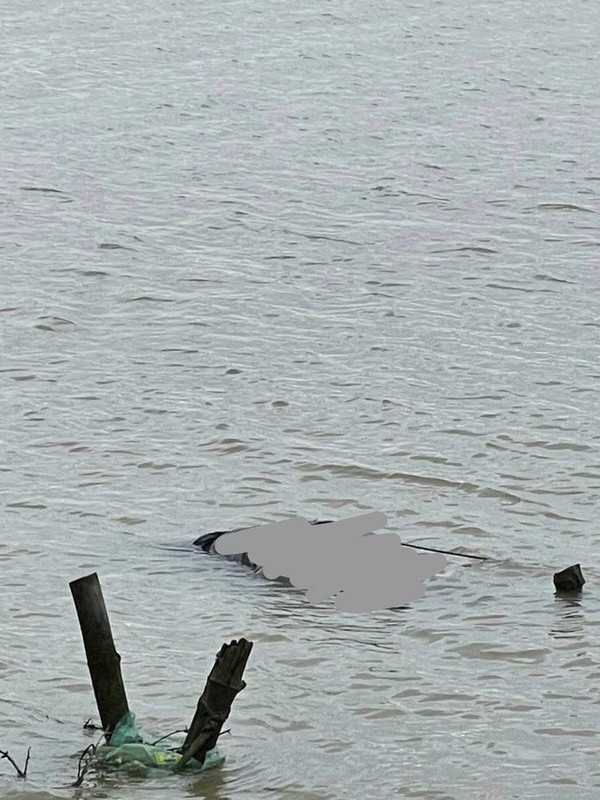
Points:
point(365, 571)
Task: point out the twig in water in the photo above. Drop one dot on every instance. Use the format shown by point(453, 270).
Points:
point(82, 768)
point(21, 773)
point(91, 726)
point(166, 736)
point(445, 552)
point(222, 732)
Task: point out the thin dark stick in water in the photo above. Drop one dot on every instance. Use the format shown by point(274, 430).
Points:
point(26, 762)
point(82, 768)
point(445, 552)
point(22, 773)
point(166, 736)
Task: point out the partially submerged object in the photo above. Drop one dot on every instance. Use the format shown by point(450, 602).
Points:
point(569, 580)
point(124, 746)
point(207, 543)
point(127, 751)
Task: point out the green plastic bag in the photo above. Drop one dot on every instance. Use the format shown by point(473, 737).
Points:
point(125, 731)
point(128, 751)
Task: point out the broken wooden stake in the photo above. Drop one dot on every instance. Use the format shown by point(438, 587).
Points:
point(103, 660)
point(222, 686)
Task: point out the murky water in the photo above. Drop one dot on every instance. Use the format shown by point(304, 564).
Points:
point(260, 260)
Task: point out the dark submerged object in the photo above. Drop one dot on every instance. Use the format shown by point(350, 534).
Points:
point(569, 580)
point(207, 543)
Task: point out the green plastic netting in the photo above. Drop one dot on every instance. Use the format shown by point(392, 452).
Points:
point(129, 752)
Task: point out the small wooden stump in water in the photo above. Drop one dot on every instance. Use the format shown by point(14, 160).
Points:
point(222, 686)
point(569, 580)
point(103, 660)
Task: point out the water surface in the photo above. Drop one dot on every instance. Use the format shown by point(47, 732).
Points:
point(262, 260)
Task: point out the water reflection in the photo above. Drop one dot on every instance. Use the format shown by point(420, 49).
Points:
point(569, 619)
point(211, 785)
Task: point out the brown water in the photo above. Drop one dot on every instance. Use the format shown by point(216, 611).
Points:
point(260, 260)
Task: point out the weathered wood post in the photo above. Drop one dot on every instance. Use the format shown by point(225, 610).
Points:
point(103, 660)
point(222, 686)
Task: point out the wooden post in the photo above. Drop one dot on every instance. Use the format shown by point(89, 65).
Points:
point(103, 660)
point(222, 686)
